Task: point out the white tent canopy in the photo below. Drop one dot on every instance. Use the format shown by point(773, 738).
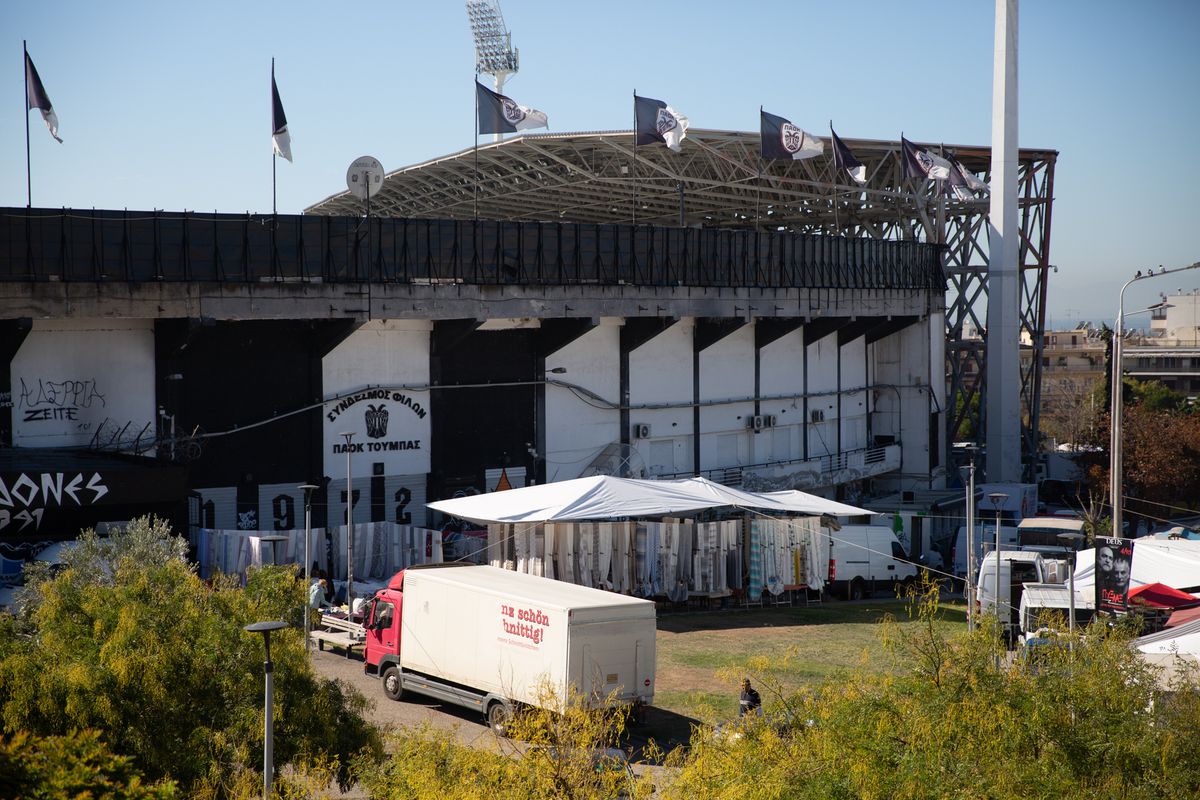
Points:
point(1174, 562)
point(606, 497)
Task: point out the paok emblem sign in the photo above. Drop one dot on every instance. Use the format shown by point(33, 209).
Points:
point(791, 137)
point(376, 418)
point(512, 112)
point(665, 122)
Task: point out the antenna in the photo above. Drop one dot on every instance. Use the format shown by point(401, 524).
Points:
point(494, 53)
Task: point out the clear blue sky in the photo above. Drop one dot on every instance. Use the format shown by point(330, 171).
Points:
point(167, 105)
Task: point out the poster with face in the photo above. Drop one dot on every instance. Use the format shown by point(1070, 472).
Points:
point(1114, 563)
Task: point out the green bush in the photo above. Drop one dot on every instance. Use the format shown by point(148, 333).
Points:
point(127, 640)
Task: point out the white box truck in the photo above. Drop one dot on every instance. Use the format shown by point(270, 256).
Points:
point(489, 639)
point(864, 557)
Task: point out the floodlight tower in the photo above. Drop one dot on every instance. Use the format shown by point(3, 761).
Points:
point(494, 53)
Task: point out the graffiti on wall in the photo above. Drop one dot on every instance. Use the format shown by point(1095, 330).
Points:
point(25, 497)
point(44, 400)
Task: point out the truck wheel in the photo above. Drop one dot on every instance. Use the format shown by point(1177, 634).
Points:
point(392, 686)
point(855, 590)
point(498, 716)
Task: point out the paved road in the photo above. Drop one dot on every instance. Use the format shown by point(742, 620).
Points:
point(412, 711)
point(664, 726)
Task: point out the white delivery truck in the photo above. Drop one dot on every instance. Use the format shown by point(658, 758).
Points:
point(489, 639)
point(864, 557)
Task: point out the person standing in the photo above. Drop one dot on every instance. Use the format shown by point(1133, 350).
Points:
point(749, 702)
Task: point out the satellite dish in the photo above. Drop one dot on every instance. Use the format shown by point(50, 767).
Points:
point(364, 178)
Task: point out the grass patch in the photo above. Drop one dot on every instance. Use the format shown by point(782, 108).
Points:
point(805, 646)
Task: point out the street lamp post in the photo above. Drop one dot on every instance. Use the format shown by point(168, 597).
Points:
point(1114, 450)
point(265, 629)
point(997, 499)
point(308, 489)
point(1071, 538)
point(348, 436)
point(968, 589)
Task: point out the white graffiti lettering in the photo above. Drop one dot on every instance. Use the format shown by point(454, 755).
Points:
point(28, 496)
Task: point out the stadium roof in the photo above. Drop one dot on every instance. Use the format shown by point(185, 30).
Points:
point(719, 180)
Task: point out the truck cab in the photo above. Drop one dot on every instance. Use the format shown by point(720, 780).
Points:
point(1016, 569)
point(382, 622)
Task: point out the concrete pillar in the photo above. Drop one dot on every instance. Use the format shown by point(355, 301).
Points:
point(1003, 314)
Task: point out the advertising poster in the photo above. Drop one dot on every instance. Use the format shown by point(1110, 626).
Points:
point(1114, 563)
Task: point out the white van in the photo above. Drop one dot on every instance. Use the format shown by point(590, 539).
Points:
point(985, 541)
point(864, 557)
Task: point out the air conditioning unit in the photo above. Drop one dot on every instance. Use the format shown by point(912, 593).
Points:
point(641, 431)
point(756, 422)
point(771, 420)
point(817, 415)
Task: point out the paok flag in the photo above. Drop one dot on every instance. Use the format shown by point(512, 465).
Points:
point(658, 122)
point(780, 139)
point(963, 183)
point(499, 114)
point(281, 140)
point(38, 98)
point(969, 178)
point(921, 164)
point(844, 159)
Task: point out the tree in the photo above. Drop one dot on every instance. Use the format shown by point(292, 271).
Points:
point(127, 640)
point(80, 765)
point(962, 719)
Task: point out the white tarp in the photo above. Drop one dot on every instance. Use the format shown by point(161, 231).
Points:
point(605, 497)
point(1184, 640)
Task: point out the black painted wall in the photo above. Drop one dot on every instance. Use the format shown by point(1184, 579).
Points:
point(234, 375)
point(477, 428)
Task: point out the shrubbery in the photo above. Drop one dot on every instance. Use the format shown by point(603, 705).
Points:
point(126, 640)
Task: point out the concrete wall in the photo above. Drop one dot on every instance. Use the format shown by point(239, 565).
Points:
point(822, 380)
point(854, 405)
point(578, 429)
point(73, 378)
point(660, 371)
point(781, 367)
point(391, 424)
point(726, 372)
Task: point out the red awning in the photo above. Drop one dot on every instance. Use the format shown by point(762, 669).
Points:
point(1159, 595)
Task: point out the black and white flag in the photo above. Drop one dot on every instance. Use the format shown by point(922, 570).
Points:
point(921, 164)
point(844, 159)
point(38, 98)
point(500, 114)
point(969, 179)
point(658, 122)
point(780, 139)
point(281, 140)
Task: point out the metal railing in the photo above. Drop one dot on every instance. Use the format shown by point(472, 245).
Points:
point(66, 245)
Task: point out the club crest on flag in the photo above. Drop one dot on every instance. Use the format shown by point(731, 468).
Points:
point(512, 111)
point(665, 122)
point(790, 137)
point(924, 160)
